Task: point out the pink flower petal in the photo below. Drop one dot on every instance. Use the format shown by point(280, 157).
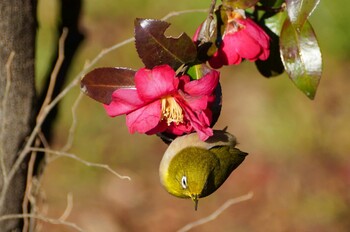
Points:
point(228, 51)
point(257, 33)
point(156, 83)
point(161, 127)
point(265, 54)
point(124, 101)
point(205, 133)
point(180, 129)
point(246, 46)
point(196, 103)
point(145, 118)
point(204, 86)
point(200, 124)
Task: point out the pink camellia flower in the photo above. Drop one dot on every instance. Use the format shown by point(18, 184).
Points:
point(162, 102)
point(242, 39)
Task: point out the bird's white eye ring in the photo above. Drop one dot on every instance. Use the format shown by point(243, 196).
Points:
point(184, 182)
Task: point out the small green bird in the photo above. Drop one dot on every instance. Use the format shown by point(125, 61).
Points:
point(191, 168)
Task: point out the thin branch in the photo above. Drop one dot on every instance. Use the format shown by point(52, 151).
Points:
point(43, 140)
point(177, 13)
point(42, 218)
point(70, 138)
point(87, 163)
point(56, 69)
point(216, 213)
point(28, 190)
point(44, 209)
point(69, 207)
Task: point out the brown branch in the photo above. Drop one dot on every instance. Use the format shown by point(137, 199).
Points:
point(70, 138)
point(69, 207)
point(42, 218)
point(28, 190)
point(87, 163)
point(55, 71)
point(177, 13)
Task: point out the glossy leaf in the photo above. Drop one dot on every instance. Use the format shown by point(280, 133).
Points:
point(301, 56)
point(275, 22)
point(154, 48)
point(100, 83)
point(300, 10)
point(239, 4)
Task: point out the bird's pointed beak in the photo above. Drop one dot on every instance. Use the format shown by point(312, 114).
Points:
point(195, 200)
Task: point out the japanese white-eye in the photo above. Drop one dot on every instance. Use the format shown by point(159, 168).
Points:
point(191, 168)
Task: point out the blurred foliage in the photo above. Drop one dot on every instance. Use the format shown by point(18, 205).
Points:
point(298, 165)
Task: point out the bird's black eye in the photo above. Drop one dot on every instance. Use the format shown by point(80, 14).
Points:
point(184, 182)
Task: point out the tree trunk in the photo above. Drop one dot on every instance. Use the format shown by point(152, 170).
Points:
point(17, 98)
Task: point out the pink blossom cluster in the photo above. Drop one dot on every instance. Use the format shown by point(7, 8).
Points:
point(242, 39)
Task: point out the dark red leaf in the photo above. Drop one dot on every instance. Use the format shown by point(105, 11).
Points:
point(154, 48)
point(100, 83)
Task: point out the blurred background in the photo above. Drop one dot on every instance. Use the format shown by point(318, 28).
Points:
point(299, 150)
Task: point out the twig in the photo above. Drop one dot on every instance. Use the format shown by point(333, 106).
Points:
point(70, 138)
point(69, 207)
point(216, 213)
point(28, 190)
point(56, 69)
point(42, 218)
point(176, 13)
point(44, 209)
point(87, 163)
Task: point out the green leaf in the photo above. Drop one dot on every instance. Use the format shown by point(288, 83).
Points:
point(154, 48)
point(301, 56)
point(198, 71)
point(239, 4)
point(275, 22)
point(100, 83)
point(300, 10)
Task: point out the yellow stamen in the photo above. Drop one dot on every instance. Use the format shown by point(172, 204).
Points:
point(171, 111)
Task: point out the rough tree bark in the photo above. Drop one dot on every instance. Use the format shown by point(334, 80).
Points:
point(17, 111)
